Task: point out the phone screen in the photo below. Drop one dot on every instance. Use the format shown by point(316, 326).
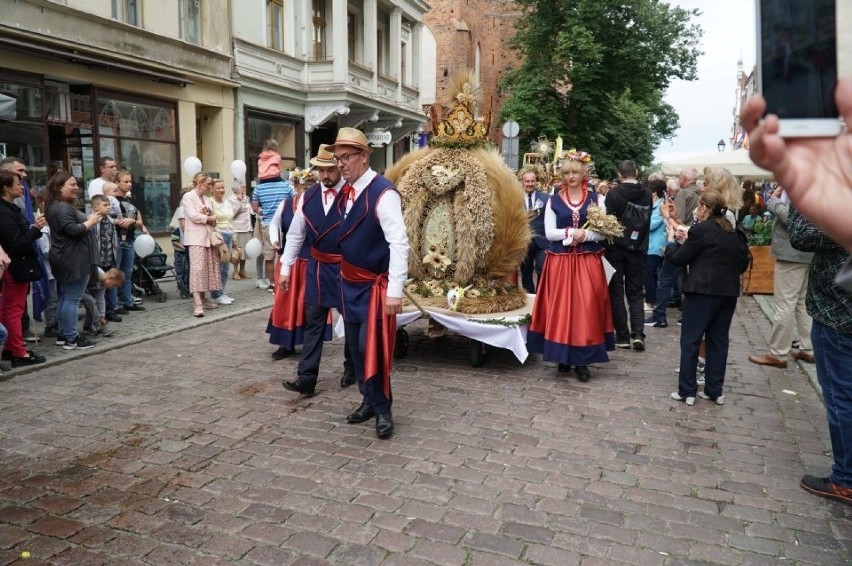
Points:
point(798, 57)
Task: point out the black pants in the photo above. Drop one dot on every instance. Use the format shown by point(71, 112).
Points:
point(533, 260)
point(371, 389)
point(708, 317)
point(312, 339)
point(629, 281)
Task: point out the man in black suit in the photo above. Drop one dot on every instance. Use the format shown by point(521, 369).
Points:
point(534, 203)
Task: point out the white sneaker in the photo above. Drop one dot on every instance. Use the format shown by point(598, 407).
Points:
point(262, 284)
point(700, 380)
point(689, 400)
point(223, 300)
point(229, 298)
point(720, 400)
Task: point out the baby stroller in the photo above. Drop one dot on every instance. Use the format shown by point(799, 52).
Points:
point(181, 265)
point(148, 270)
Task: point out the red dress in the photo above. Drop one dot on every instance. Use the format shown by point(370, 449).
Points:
point(571, 318)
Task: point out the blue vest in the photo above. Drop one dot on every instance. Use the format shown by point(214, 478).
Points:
point(363, 244)
point(286, 219)
point(565, 219)
point(322, 230)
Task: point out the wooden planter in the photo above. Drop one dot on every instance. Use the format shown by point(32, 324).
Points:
point(760, 279)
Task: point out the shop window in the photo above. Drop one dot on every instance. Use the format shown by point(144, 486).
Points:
point(260, 128)
point(190, 25)
point(22, 128)
point(126, 11)
point(275, 17)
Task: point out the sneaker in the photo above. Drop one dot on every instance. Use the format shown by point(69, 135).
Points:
point(138, 300)
point(262, 284)
point(113, 317)
point(824, 487)
point(119, 310)
point(134, 307)
point(82, 343)
point(688, 400)
point(223, 300)
point(271, 288)
point(624, 345)
point(60, 340)
point(638, 344)
point(700, 380)
point(655, 322)
point(649, 308)
point(680, 321)
point(720, 400)
point(229, 298)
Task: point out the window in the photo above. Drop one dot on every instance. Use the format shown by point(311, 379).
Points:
point(318, 12)
point(275, 17)
point(380, 51)
point(351, 34)
point(190, 27)
point(126, 11)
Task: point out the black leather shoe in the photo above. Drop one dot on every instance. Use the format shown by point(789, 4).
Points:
point(134, 307)
point(384, 425)
point(564, 368)
point(120, 310)
point(583, 373)
point(282, 353)
point(348, 378)
point(113, 317)
point(301, 387)
point(362, 414)
point(29, 360)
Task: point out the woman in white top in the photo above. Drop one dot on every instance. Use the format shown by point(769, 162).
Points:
point(224, 215)
point(241, 225)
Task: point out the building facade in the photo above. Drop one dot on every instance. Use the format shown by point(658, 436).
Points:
point(309, 67)
point(147, 82)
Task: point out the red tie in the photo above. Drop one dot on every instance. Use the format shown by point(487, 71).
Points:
point(328, 193)
point(348, 192)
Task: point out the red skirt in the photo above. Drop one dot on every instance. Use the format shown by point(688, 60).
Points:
point(571, 317)
point(287, 319)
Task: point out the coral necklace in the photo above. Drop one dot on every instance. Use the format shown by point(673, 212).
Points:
point(575, 207)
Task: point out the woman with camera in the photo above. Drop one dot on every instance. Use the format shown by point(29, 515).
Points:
point(199, 226)
point(17, 237)
point(715, 256)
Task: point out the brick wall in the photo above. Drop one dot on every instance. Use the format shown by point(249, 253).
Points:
point(459, 26)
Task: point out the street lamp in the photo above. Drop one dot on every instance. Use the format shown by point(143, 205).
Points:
point(721, 146)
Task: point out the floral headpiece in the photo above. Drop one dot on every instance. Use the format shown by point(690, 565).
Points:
point(573, 155)
point(301, 176)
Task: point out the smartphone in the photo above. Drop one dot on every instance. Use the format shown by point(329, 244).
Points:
point(797, 65)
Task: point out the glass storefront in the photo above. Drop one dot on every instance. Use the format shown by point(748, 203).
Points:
point(141, 135)
point(286, 130)
point(22, 127)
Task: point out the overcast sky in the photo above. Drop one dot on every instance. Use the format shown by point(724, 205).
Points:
point(705, 106)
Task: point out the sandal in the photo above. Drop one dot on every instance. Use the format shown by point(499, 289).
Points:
point(198, 312)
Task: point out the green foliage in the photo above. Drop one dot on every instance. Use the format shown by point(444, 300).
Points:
point(761, 234)
point(595, 71)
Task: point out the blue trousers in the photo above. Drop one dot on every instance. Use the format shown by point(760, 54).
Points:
point(225, 267)
point(124, 256)
point(69, 302)
point(373, 389)
point(833, 353)
point(533, 260)
point(667, 280)
point(313, 334)
point(652, 270)
point(708, 317)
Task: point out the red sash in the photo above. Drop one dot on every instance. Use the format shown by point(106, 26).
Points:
point(288, 309)
point(376, 309)
point(324, 257)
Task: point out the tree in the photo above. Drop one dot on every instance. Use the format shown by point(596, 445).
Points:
point(595, 71)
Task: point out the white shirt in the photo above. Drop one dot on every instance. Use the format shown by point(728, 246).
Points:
point(96, 187)
point(296, 232)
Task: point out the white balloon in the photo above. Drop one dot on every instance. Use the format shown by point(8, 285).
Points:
point(254, 247)
point(144, 245)
point(238, 169)
point(192, 165)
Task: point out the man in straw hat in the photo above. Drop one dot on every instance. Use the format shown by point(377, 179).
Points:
point(373, 270)
point(316, 224)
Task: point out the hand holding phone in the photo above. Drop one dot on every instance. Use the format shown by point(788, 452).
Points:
point(797, 65)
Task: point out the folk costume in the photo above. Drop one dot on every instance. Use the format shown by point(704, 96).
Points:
point(571, 319)
point(374, 246)
point(287, 318)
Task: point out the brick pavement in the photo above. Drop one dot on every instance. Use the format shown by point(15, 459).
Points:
point(185, 449)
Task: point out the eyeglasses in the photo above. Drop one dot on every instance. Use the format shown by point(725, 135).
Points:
point(346, 156)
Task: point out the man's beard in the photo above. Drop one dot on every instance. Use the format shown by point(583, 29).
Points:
point(328, 183)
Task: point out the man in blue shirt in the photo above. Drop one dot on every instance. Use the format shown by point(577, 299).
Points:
point(265, 199)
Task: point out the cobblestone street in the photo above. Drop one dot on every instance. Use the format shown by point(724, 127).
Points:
point(185, 449)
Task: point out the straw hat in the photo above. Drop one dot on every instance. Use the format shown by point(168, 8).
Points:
point(351, 137)
point(324, 157)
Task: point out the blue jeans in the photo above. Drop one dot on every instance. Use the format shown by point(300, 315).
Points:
point(833, 353)
point(225, 268)
point(667, 280)
point(69, 302)
point(652, 269)
point(124, 256)
point(3, 334)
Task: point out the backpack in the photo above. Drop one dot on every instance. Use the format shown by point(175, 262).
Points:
point(636, 220)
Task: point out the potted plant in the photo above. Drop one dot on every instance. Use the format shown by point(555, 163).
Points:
point(760, 277)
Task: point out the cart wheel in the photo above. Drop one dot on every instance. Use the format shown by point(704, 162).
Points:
point(162, 297)
point(401, 348)
point(477, 353)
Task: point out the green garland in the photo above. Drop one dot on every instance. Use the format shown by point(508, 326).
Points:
point(503, 321)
